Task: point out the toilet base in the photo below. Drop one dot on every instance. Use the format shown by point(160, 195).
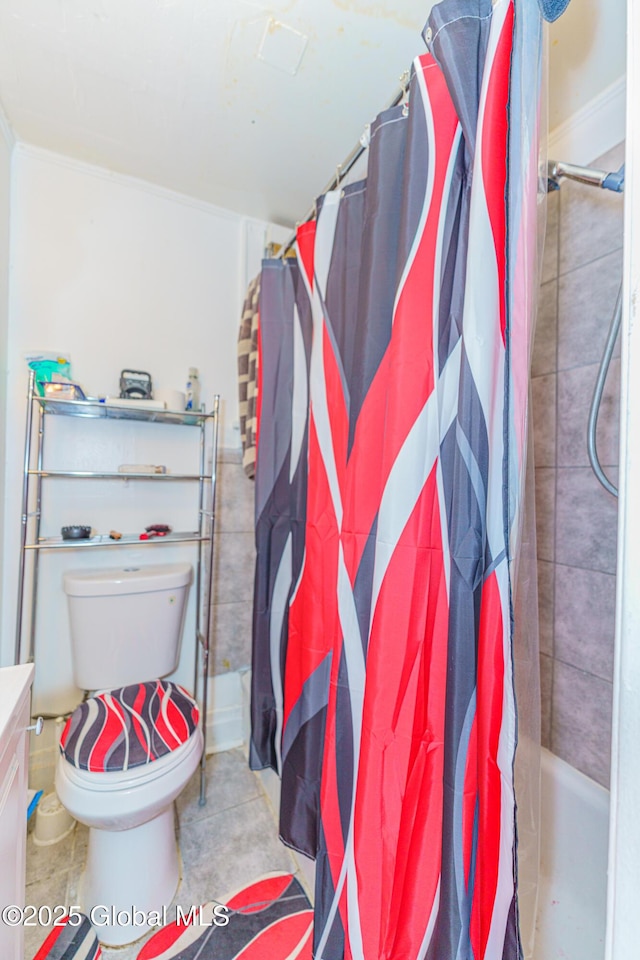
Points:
point(129, 875)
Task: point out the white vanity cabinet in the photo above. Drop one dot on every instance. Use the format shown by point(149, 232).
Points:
point(15, 698)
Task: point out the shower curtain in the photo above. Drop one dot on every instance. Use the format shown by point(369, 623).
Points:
point(383, 685)
point(280, 492)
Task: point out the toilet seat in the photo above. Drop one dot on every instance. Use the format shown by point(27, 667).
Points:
point(113, 781)
point(130, 729)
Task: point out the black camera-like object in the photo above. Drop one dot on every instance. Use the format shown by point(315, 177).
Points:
point(135, 385)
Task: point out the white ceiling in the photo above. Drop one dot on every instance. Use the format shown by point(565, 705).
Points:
point(206, 97)
point(174, 91)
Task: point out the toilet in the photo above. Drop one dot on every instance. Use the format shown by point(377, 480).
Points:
point(130, 748)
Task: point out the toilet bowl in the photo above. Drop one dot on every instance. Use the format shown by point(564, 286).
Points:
point(132, 858)
point(128, 751)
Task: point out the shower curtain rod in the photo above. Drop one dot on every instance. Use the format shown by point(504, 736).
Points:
point(343, 168)
point(557, 170)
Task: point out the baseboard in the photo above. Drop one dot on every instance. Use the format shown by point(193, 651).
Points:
point(592, 130)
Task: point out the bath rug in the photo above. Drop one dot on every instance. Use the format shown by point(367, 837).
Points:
point(129, 727)
point(67, 942)
point(271, 919)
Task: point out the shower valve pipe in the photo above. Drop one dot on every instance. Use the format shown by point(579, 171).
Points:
point(557, 169)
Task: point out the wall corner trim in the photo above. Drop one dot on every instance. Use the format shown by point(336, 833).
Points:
point(126, 180)
point(592, 130)
point(6, 130)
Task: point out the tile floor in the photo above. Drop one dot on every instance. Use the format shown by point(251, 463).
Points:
point(230, 841)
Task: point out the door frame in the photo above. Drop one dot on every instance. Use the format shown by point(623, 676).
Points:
point(623, 891)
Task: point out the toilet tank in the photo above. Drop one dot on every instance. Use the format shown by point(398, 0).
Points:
point(126, 622)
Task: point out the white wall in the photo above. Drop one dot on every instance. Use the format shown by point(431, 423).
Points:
point(6, 146)
point(586, 80)
point(587, 54)
point(119, 274)
point(126, 275)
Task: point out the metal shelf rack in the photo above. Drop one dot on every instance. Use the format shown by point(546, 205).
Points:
point(32, 543)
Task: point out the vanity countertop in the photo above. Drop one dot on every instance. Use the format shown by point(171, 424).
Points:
point(14, 683)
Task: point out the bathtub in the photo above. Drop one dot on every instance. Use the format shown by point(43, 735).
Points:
point(572, 878)
point(572, 887)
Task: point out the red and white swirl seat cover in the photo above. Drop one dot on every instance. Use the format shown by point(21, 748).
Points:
point(129, 727)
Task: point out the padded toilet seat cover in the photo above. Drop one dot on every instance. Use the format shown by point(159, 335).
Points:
point(129, 727)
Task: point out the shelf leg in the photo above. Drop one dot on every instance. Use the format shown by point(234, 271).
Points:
point(36, 559)
point(25, 518)
point(208, 598)
point(199, 564)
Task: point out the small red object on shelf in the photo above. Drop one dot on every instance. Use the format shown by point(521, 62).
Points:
point(155, 530)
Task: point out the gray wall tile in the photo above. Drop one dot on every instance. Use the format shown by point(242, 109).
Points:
point(575, 388)
point(234, 500)
point(546, 691)
point(543, 398)
point(549, 268)
point(545, 512)
point(231, 648)
point(234, 562)
point(608, 432)
point(591, 224)
point(581, 721)
point(586, 521)
point(586, 302)
point(546, 588)
point(230, 455)
point(576, 520)
point(584, 619)
point(575, 393)
point(545, 339)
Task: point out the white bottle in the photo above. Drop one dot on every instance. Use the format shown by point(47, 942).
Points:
point(193, 390)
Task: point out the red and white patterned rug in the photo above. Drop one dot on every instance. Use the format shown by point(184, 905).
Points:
point(71, 942)
point(271, 919)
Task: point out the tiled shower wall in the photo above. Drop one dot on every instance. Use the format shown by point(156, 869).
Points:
point(576, 518)
point(234, 559)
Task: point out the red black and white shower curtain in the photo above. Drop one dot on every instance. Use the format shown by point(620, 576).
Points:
point(387, 703)
point(285, 330)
